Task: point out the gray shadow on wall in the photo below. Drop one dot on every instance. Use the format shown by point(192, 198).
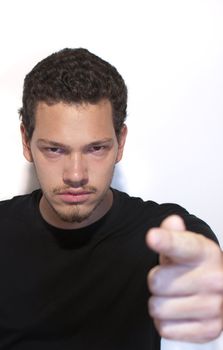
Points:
point(32, 183)
point(119, 180)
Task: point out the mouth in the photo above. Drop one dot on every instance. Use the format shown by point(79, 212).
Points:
point(74, 197)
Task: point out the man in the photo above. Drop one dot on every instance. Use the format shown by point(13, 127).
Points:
point(76, 254)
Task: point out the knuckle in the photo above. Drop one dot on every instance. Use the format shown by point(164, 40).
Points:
point(153, 280)
point(213, 251)
point(211, 306)
point(217, 305)
point(164, 330)
point(212, 329)
point(220, 284)
point(154, 308)
point(218, 281)
point(214, 280)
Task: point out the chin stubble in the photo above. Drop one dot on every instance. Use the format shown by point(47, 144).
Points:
point(74, 215)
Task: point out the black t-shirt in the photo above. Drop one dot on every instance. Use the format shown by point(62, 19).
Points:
point(79, 289)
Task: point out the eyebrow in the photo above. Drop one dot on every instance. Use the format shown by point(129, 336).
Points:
point(62, 145)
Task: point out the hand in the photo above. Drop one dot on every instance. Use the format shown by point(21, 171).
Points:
point(187, 287)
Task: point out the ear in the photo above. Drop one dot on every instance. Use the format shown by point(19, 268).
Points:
point(121, 142)
point(26, 144)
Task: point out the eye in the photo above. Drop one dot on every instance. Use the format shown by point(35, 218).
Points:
point(98, 149)
point(53, 152)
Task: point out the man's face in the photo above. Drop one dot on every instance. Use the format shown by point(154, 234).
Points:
point(74, 149)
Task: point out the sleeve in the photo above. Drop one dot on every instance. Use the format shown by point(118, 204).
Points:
point(192, 222)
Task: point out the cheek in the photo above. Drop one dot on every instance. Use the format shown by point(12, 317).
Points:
point(46, 173)
point(104, 176)
point(102, 168)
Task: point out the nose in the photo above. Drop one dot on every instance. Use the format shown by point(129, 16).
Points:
point(75, 171)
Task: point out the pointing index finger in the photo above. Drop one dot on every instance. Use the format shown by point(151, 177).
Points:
point(180, 246)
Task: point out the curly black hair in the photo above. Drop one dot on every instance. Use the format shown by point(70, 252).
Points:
point(73, 76)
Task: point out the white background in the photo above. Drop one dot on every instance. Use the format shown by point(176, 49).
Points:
point(171, 56)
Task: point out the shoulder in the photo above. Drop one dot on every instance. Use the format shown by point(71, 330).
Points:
point(153, 213)
point(18, 206)
point(152, 209)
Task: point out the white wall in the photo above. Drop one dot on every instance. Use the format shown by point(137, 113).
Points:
point(171, 54)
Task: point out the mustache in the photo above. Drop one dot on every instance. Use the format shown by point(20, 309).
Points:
point(59, 190)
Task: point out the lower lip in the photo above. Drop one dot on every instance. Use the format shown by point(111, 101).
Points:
point(74, 198)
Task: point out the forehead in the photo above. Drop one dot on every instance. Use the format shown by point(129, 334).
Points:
point(66, 122)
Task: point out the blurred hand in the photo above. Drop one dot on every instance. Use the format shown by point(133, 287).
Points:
point(187, 287)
